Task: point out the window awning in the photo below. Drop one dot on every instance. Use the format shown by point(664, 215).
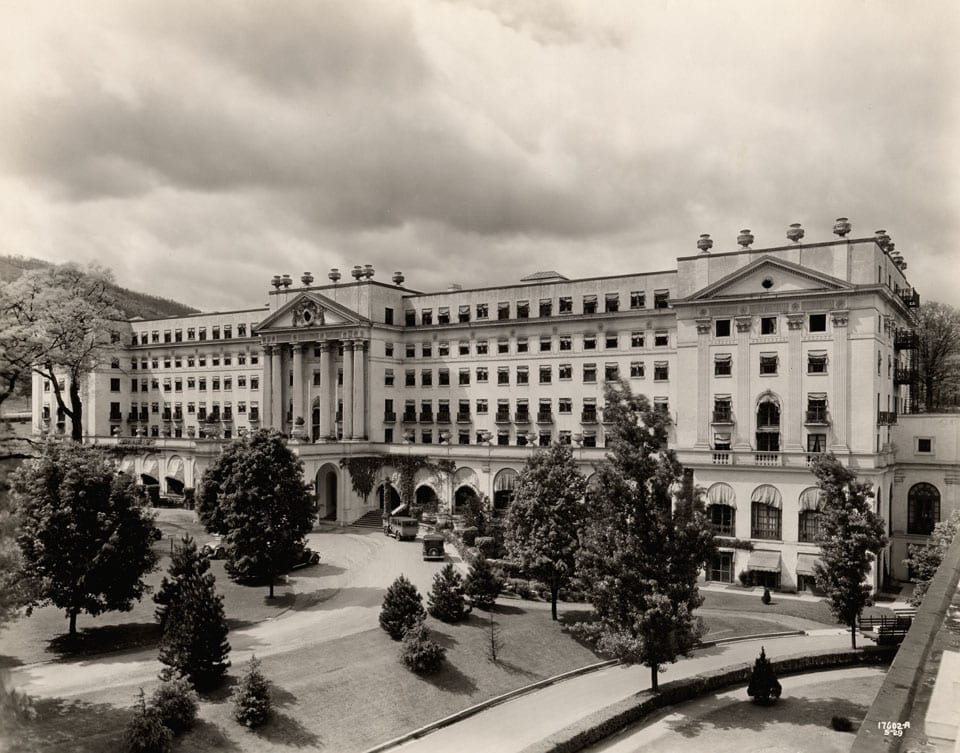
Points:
point(766, 494)
point(810, 499)
point(817, 353)
point(721, 494)
point(768, 398)
point(506, 480)
point(723, 358)
point(805, 563)
point(817, 395)
point(763, 560)
point(589, 299)
point(721, 397)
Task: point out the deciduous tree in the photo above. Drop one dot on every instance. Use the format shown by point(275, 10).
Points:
point(639, 560)
point(851, 534)
point(924, 560)
point(85, 535)
point(542, 530)
point(254, 494)
point(938, 330)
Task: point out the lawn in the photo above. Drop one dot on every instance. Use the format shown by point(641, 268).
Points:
point(818, 611)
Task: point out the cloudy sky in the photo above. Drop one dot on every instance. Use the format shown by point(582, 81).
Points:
point(198, 148)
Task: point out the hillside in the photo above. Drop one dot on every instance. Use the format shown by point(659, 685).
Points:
point(132, 303)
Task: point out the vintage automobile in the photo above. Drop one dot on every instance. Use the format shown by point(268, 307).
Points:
point(305, 558)
point(401, 528)
point(433, 547)
point(213, 549)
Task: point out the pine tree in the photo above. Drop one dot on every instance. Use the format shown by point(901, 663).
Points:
point(252, 705)
point(194, 627)
point(764, 687)
point(544, 521)
point(419, 652)
point(445, 600)
point(145, 732)
point(402, 608)
point(176, 702)
point(483, 585)
point(851, 534)
point(640, 560)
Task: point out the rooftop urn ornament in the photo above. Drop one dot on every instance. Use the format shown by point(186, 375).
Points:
point(883, 240)
point(841, 227)
point(286, 281)
point(368, 271)
point(357, 271)
point(306, 278)
point(745, 238)
point(334, 275)
point(277, 281)
point(398, 278)
point(795, 233)
point(705, 244)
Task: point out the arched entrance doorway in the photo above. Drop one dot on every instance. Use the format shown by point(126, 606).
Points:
point(504, 487)
point(463, 497)
point(327, 484)
point(388, 498)
point(426, 499)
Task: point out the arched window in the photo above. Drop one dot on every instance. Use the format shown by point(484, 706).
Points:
point(592, 487)
point(504, 484)
point(722, 509)
point(768, 424)
point(765, 512)
point(923, 508)
point(811, 516)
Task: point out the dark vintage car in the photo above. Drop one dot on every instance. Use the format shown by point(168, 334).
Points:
point(401, 528)
point(433, 546)
point(306, 558)
point(213, 549)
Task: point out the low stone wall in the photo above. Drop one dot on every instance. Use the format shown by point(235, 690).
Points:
point(614, 718)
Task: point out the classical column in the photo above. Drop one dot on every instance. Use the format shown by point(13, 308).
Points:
point(838, 381)
point(794, 417)
point(348, 389)
point(276, 396)
point(328, 391)
point(703, 383)
point(744, 409)
point(359, 390)
point(266, 403)
point(298, 406)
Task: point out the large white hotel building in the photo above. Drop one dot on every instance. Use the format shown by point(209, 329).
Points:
point(763, 357)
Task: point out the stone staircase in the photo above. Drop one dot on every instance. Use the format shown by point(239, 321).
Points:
point(372, 519)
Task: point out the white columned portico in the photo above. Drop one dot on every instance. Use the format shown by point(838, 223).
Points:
point(794, 408)
point(838, 381)
point(703, 383)
point(348, 389)
point(266, 420)
point(359, 391)
point(328, 391)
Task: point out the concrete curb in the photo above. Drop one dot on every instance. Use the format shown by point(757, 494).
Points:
point(754, 637)
point(483, 705)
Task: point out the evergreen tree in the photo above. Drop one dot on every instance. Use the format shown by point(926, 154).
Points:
point(176, 702)
point(445, 600)
point(252, 705)
point(84, 535)
point(193, 624)
point(850, 535)
point(764, 687)
point(402, 608)
point(924, 560)
point(544, 521)
point(255, 496)
point(483, 585)
point(146, 733)
point(419, 652)
point(639, 561)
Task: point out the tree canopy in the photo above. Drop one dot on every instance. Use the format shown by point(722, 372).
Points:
point(542, 529)
point(254, 494)
point(938, 330)
point(850, 535)
point(85, 535)
point(924, 560)
point(640, 560)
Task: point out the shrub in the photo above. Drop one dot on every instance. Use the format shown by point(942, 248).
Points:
point(445, 525)
point(841, 724)
point(487, 546)
point(744, 577)
point(419, 653)
point(469, 535)
point(153, 494)
point(175, 701)
point(251, 699)
point(520, 587)
point(764, 687)
point(402, 608)
point(445, 600)
point(483, 584)
point(766, 595)
point(145, 732)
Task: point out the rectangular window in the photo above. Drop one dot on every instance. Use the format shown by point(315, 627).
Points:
point(503, 437)
point(482, 347)
point(638, 299)
point(482, 406)
point(565, 304)
point(482, 374)
point(115, 384)
point(611, 341)
point(155, 336)
point(178, 384)
point(410, 378)
point(566, 342)
point(765, 521)
point(565, 405)
point(722, 409)
point(463, 347)
point(215, 332)
point(768, 325)
point(589, 342)
point(388, 377)
point(589, 304)
point(768, 363)
point(426, 350)
point(241, 330)
point(254, 359)
point(178, 335)
point(463, 436)
point(388, 315)
point(546, 343)
point(426, 316)
point(411, 350)
point(721, 441)
point(133, 385)
point(202, 383)
point(191, 383)
point(636, 370)
point(565, 371)
point(410, 317)
point(661, 339)
point(463, 313)
point(546, 307)
point(818, 323)
point(503, 310)
point(201, 361)
point(503, 345)
point(214, 361)
point(216, 384)
point(546, 374)
point(483, 311)
point(611, 372)
point(503, 375)
point(241, 359)
point(191, 333)
point(443, 350)
point(721, 328)
point(636, 339)
point(661, 299)
point(722, 364)
point(816, 409)
point(464, 376)
point(242, 381)
point(426, 436)
point(720, 568)
point(924, 446)
point(589, 439)
point(443, 377)
point(523, 309)
point(388, 350)
point(589, 373)
point(227, 331)
point(661, 371)
point(611, 302)
point(202, 333)
point(661, 405)
point(426, 377)
point(523, 375)
point(254, 383)
point(817, 362)
point(522, 345)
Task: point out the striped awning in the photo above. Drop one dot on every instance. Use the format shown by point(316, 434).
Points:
point(805, 563)
point(810, 499)
point(764, 560)
point(767, 495)
point(721, 494)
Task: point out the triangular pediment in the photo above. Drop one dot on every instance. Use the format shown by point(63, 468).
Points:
point(310, 311)
point(770, 276)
